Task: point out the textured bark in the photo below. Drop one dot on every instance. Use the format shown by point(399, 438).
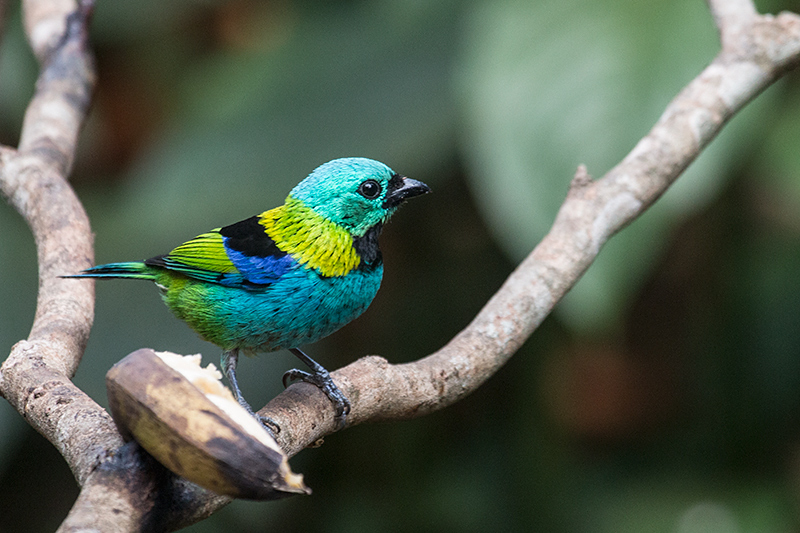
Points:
point(35, 378)
point(757, 50)
point(122, 488)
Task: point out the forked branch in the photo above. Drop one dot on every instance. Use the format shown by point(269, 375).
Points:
point(122, 490)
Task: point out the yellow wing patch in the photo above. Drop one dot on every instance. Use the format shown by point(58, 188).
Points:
point(205, 252)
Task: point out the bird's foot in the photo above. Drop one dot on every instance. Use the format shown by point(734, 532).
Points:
point(228, 364)
point(323, 381)
point(269, 424)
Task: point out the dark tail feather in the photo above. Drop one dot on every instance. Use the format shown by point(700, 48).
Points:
point(132, 270)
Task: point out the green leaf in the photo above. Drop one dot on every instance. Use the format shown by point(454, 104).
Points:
point(549, 85)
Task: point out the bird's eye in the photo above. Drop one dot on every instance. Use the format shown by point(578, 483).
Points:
point(370, 189)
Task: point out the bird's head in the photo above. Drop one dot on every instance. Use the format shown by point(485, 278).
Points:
point(356, 193)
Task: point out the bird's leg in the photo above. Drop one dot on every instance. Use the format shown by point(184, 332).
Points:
point(322, 379)
point(228, 362)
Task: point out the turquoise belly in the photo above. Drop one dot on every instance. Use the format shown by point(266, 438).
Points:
point(301, 308)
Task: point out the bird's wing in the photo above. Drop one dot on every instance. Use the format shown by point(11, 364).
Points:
point(241, 254)
point(202, 258)
point(253, 252)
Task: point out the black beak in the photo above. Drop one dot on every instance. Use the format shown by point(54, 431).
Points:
point(401, 188)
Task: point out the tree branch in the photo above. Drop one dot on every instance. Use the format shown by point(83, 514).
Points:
point(35, 376)
point(122, 482)
point(756, 51)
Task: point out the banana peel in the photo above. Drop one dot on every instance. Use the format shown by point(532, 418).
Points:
point(183, 416)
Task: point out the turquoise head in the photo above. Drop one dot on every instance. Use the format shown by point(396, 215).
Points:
point(356, 193)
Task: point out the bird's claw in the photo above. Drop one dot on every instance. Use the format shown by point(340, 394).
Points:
point(294, 375)
point(269, 424)
point(324, 382)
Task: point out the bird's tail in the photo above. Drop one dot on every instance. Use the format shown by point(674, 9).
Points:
point(131, 270)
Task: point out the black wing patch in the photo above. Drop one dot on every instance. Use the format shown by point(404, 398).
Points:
point(250, 238)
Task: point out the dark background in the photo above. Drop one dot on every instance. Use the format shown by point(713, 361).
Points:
point(662, 395)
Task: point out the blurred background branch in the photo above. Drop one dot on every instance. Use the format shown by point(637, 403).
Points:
point(197, 102)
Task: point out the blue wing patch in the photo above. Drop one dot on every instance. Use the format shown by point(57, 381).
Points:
point(260, 270)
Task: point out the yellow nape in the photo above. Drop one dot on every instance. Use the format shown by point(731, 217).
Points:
point(313, 240)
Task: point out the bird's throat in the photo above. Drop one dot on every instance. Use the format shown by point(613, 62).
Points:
point(367, 247)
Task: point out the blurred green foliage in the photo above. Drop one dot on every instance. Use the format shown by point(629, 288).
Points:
point(664, 393)
point(602, 73)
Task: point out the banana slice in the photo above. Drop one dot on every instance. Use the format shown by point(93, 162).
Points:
point(184, 417)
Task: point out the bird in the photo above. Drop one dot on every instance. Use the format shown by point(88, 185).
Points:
point(287, 277)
